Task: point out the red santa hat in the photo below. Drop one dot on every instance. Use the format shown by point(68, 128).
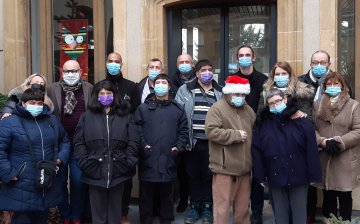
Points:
point(236, 84)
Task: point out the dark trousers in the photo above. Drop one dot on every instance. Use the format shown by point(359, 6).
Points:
point(257, 198)
point(148, 193)
point(38, 217)
point(79, 199)
point(126, 197)
point(311, 201)
point(200, 176)
point(106, 204)
point(183, 178)
point(330, 204)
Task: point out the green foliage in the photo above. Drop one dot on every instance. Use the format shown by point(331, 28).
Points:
point(3, 99)
point(334, 220)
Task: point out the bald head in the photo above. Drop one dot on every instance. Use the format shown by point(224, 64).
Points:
point(71, 65)
point(114, 57)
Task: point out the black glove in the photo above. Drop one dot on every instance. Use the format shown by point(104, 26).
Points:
point(332, 147)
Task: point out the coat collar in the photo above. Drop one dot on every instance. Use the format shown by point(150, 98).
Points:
point(328, 112)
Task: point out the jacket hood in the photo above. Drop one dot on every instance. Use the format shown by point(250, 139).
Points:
point(153, 102)
point(291, 108)
point(328, 112)
point(22, 112)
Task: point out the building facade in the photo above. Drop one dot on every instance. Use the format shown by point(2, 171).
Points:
point(291, 30)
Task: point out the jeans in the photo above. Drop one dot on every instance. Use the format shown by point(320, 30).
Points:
point(78, 192)
point(38, 217)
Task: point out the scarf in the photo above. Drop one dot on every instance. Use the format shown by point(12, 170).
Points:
point(70, 99)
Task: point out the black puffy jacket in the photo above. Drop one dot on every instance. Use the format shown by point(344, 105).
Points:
point(106, 148)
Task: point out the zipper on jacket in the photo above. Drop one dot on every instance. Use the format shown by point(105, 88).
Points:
point(108, 141)
point(42, 147)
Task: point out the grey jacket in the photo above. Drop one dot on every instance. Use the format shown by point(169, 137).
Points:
point(186, 97)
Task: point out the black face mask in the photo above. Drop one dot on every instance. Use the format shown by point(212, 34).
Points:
point(38, 86)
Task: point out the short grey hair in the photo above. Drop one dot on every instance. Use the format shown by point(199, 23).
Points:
point(274, 92)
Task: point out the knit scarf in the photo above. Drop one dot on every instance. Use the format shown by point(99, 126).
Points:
point(70, 99)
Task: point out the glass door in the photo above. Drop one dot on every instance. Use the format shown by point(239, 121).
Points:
point(216, 34)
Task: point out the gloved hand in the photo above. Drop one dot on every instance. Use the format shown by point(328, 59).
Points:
point(332, 147)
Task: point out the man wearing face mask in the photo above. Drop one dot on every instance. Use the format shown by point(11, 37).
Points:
point(70, 97)
point(228, 126)
point(184, 72)
point(320, 67)
point(198, 96)
point(164, 134)
point(124, 88)
point(146, 85)
point(246, 58)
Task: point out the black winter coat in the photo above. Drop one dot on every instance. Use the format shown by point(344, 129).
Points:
point(162, 125)
point(106, 148)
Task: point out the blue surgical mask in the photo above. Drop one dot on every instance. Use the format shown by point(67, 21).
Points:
point(333, 90)
point(113, 68)
point(319, 70)
point(237, 101)
point(34, 110)
point(153, 73)
point(161, 89)
point(245, 62)
point(281, 80)
point(185, 68)
point(278, 109)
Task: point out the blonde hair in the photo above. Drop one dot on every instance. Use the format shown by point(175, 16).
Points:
point(26, 84)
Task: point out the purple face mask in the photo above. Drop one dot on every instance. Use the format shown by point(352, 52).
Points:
point(206, 77)
point(106, 100)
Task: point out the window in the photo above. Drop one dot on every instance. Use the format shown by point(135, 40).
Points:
point(215, 33)
point(346, 44)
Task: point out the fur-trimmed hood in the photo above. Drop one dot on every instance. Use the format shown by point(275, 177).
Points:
point(326, 111)
point(299, 90)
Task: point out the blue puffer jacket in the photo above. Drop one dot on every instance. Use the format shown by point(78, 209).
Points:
point(284, 150)
point(16, 159)
point(162, 125)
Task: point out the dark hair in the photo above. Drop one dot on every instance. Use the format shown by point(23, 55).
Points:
point(33, 94)
point(202, 63)
point(245, 46)
point(335, 76)
point(119, 106)
point(163, 76)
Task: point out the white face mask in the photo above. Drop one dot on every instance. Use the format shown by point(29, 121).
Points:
point(71, 78)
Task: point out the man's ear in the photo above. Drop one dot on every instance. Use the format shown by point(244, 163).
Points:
point(254, 58)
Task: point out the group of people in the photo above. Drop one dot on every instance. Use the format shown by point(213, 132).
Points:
point(213, 147)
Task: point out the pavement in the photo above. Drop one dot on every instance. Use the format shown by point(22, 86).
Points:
point(268, 217)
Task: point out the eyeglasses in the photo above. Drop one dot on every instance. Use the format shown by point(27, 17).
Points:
point(314, 63)
point(71, 71)
point(275, 102)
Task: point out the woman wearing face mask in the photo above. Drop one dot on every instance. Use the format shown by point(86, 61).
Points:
point(163, 134)
point(337, 123)
point(285, 157)
point(26, 137)
point(105, 145)
point(37, 81)
point(282, 78)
